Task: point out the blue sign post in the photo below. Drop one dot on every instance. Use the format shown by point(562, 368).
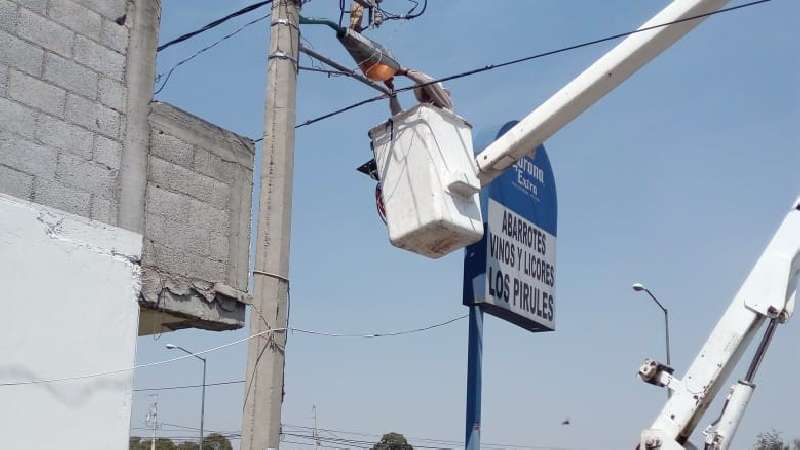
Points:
point(474, 367)
point(510, 273)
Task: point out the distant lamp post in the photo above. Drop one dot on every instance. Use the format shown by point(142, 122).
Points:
point(638, 287)
point(203, 398)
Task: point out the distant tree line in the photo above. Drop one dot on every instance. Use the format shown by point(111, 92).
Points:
point(213, 441)
point(772, 440)
point(392, 441)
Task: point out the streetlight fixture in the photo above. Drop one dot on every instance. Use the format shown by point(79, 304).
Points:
point(638, 287)
point(203, 398)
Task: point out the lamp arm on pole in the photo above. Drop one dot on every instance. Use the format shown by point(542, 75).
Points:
point(656, 300)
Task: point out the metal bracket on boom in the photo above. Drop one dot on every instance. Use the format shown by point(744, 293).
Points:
point(657, 374)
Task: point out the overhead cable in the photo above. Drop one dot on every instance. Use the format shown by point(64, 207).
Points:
point(188, 386)
point(214, 24)
point(384, 334)
point(186, 438)
point(341, 69)
point(353, 442)
point(203, 50)
point(139, 366)
point(407, 16)
point(327, 71)
point(307, 430)
point(230, 344)
point(313, 445)
point(489, 67)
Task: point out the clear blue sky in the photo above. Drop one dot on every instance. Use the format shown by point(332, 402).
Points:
point(677, 179)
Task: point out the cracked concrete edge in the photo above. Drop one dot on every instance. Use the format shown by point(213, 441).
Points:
point(88, 234)
point(190, 302)
point(105, 239)
point(74, 232)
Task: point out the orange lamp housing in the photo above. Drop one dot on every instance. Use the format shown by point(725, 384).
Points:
point(378, 71)
point(375, 61)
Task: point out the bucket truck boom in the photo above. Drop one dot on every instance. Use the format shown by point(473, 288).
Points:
point(767, 295)
point(603, 76)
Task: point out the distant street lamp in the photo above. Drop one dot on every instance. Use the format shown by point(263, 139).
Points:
point(638, 288)
point(203, 398)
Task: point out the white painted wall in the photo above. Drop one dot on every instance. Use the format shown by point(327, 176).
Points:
point(69, 297)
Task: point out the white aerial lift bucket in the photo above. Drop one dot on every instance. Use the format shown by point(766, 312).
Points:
point(426, 165)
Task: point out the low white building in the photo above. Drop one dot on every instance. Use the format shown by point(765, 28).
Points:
point(118, 216)
point(89, 274)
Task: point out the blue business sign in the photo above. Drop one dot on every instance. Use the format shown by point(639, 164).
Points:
point(511, 272)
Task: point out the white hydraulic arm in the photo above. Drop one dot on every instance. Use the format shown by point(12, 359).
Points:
point(594, 83)
point(768, 294)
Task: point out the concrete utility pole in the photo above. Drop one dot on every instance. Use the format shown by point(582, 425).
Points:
point(262, 409)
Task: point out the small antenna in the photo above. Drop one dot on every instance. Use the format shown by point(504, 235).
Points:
point(151, 419)
point(316, 433)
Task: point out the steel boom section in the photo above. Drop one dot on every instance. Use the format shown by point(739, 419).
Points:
point(594, 83)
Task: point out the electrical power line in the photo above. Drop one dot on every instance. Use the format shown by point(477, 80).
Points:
point(188, 386)
point(359, 443)
point(203, 50)
point(489, 67)
point(354, 442)
point(367, 440)
point(184, 438)
point(351, 442)
point(212, 431)
point(313, 445)
point(338, 439)
point(408, 15)
point(181, 429)
point(230, 344)
point(138, 366)
point(327, 71)
point(306, 429)
point(213, 24)
point(383, 334)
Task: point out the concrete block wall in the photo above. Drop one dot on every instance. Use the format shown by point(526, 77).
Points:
point(70, 140)
point(62, 103)
point(197, 222)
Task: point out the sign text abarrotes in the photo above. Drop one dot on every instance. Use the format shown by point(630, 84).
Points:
point(520, 273)
point(511, 273)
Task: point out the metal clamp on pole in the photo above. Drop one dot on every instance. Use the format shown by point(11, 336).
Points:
point(284, 22)
point(272, 275)
point(282, 55)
